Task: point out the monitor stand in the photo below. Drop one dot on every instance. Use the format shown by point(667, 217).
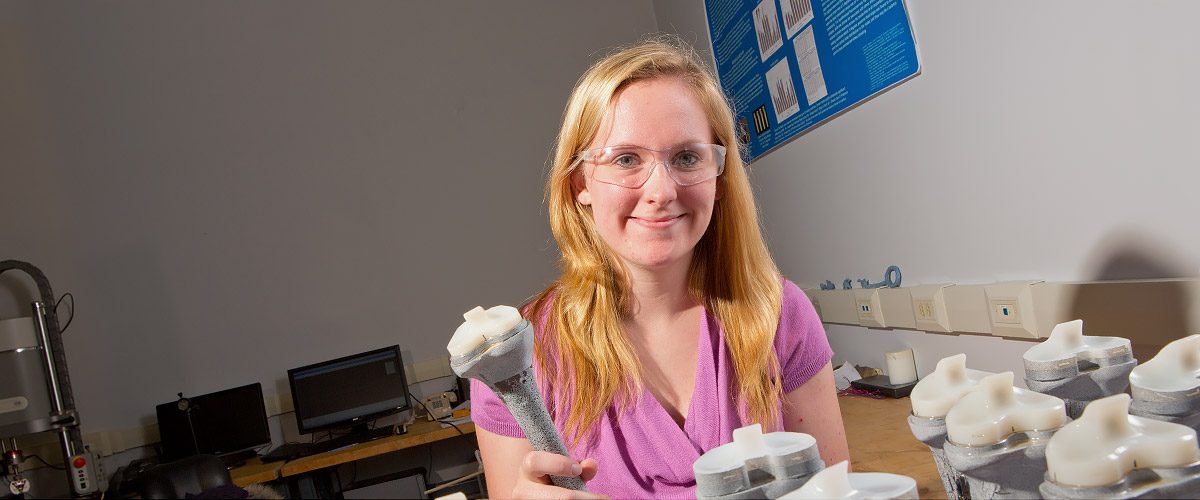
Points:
point(360, 433)
point(238, 458)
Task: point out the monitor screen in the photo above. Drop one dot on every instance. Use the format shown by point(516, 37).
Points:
point(349, 391)
point(223, 422)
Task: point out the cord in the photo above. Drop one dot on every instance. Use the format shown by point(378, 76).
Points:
point(851, 391)
point(339, 479)
point(429, 470)
point(47, 464)
point(72, 316)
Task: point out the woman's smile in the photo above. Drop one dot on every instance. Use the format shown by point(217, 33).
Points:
point(657, 222)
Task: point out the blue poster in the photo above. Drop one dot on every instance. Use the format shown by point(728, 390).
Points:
point(790, 65)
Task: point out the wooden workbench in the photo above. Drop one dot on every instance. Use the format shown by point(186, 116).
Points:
point(880, 441)
point(876, 431)
point(419, 433)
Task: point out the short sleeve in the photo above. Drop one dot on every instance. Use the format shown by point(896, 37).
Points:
point(800, 342)
point(490, 413)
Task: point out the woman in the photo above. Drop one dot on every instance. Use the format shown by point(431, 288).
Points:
point(670, 325)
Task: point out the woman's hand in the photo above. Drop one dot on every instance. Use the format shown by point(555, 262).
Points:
point(533, 479)
point(514, 470)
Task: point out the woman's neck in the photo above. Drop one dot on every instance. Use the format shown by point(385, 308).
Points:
point(660, 290)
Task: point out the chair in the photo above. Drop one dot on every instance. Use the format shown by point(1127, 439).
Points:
point(193, 474)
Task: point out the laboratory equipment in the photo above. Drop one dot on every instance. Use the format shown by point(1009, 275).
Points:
point(35, 386)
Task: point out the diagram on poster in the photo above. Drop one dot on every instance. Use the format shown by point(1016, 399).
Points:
point(766, 26)
point(810, 66)
point(796, 13)
point(838, 53)
point(783, 91)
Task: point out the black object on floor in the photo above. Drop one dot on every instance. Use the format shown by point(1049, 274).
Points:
point(883, 385)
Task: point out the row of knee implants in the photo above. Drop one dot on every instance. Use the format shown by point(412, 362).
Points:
point(1076, 433)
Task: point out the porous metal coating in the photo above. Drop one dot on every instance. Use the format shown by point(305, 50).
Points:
point(1182, 482)
point(1079, 390)
point(764, 477)
point(932, 432)
point(1013, 468)
point(505, 364)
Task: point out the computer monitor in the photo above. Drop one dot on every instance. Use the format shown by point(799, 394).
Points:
point(349, 392)
point(231, 424)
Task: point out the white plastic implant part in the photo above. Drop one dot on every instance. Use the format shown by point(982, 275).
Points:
point(831, 482)
point(1067, 342)
point(1175, 368)
point(748, 443)
point(933, 396)
point(481, 325)
point(997, 410)
point(1106, 443)
point(836, 482)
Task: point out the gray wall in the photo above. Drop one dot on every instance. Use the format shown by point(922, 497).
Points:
point(1048, 141)
point(232, 189)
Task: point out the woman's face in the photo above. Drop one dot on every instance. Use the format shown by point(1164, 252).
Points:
point(659, 223)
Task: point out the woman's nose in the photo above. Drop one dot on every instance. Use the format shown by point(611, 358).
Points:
point(660, 187)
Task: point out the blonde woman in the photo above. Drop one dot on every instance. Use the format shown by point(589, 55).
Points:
point(670, 325)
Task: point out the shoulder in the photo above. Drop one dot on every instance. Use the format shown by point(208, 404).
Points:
point(795, 305)
point(800, 342)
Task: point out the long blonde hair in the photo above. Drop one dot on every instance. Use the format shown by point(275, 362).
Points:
point(731, 272)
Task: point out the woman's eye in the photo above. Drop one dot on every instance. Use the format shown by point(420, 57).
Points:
point(686, 159)
point(626, 160)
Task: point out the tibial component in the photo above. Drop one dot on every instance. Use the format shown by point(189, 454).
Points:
point(933, 396)
point(757, 465)
point(837, 483)
point(931, 399)
point(481, 325)
point(1078, 369)
point(1168, 386)
point(997, 436)
point(997, 410)
point(1109, 453)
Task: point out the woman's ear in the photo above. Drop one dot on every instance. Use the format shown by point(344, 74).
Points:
point(720, 188)
point(579, 188)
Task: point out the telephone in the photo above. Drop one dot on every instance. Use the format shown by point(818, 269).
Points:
point(438, 405)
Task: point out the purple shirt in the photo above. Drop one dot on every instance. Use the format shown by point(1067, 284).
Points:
point(648, 455)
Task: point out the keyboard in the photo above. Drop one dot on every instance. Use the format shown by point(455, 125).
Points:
point(292, 451)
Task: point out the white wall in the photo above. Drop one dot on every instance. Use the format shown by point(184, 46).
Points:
point(233, 189)
point(1052, 141)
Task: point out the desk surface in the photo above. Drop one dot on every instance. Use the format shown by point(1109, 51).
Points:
point(419, 433)
point(881, 441)
point(876, 431)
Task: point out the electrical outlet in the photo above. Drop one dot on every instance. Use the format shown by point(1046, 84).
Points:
point(925, 310)
point(929, 307)
point(1011, 309)
point(864, 309)
point(1006, 312)
point(870, 314)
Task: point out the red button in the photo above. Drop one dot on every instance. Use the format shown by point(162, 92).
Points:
point(79, 462)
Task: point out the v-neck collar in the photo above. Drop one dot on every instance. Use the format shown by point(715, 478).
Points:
point(700, 405)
